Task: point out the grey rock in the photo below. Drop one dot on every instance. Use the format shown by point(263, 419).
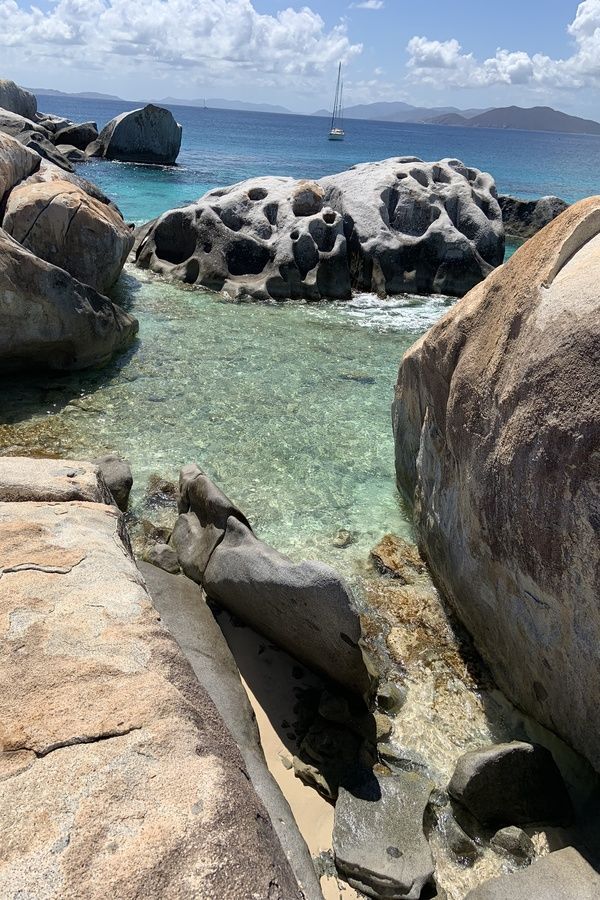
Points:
point(45, 148)
point(329, 757)
point(183, 609)
point(390, 698)
point(563, 875)
point(149, 135)
point(17, 99)
point(511, 784)
point(73, 154)
point(78, 135)
point(460, 844)
point(378, 839)
point(24, 479)
point(117, 477)
point(304, 607)
point(16, 164)
point(163, 556)
point(524, 218)
point(49, 319)
point(390, 227)
point(513, 842)
point(51, 122)
point(13, 124)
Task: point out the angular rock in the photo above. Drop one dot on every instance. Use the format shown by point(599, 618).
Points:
point(513, 842)
point(49, 319)
point(52, 480)
point(378, 839)
point(45, 148)
point(148, 135)
point(162, 556)
point(524, 218)
point(71, 153)
point(117, 476)
point(390, 227)
point(460, 844)
point(511, 784)
point(17, 99)
point(62, 224)
point(497, 428)
point(15, 125)
point(78, 135)
point(183, 609)
point(105, 724)
point(563, 875)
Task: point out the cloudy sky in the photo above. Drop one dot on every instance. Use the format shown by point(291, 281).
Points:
point(432, 52)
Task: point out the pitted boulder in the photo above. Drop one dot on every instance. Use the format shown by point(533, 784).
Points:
point(390, 227)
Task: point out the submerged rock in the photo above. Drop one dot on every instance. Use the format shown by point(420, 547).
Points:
point(563, 875)
point(497, 428)
point(511, 784)
point(524, 218)
point(378, 839)
point(392, 226)
point(396, 557)
point(61, 223)
point(148, 135)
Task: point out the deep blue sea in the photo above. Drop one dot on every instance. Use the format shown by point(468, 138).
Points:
point(287, 405)
point(222, 146)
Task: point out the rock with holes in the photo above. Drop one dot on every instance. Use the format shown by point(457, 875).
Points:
point(524, 218)
point(49, 319)
point(305, 607)
point(149, 135)
point(61, 223)
point(394, 226)
point(497, 430)
point(378, 839)
point(17, 99)
point(119, 776)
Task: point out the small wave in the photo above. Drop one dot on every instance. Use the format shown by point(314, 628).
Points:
point(405, 312)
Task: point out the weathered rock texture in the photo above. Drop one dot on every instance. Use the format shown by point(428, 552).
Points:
point(119, 778)
point(304, 607)
point(48, 318)
point(392, 226)
point(563, 875)
point(148, 135)
point(56, 480)
point(16, 99)
point(69, 236)
point(497, 429)
point(524, 218)
point(61, 223)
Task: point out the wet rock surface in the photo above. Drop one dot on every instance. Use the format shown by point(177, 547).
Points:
point(511, 784)
point(378, 839)
point(563, 875)
point(513, 842)
point(389, 227)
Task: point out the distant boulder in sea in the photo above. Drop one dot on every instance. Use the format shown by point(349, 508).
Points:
point(524, 218)
point(400, 225)
point(148, 135)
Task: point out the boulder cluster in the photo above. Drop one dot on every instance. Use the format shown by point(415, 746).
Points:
point(147, 135)
point(400, 225)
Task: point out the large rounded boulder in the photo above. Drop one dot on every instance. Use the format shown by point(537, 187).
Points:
point(17, 99)
point(497, 431)
point(148, 135)
point(397, 226)
point(59, 222)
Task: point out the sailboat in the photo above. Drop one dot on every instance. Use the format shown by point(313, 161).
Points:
point(336, 132)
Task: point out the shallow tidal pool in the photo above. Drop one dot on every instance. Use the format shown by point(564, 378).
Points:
point(286, 406)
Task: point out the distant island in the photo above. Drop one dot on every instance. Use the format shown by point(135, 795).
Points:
point(538, 118)
point(398, 111)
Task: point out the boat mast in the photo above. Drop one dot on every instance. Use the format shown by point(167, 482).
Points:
point(341, 106)
point(336, 101)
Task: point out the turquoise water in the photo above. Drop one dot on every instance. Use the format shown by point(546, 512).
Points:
point(287, 406)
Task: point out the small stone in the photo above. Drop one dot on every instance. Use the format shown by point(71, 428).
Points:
point(384, 727)
point(343, 539)
point(460, 844)
point(117, 476)
point(163, 556)
point(514, 842)
point(390, 698)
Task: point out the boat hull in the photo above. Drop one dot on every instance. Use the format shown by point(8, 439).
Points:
point(336, 137)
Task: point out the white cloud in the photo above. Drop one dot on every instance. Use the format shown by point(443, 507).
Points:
point(368, 4)
point(211, 38)
point(537, 71)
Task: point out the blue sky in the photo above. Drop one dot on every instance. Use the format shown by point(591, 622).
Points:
point(430, 52)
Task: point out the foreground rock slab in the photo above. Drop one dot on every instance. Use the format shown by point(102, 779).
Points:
point(306, 607)
point(378, 837)
point(148, 135)
point(563, 875)
point(511, 784)
point(497, 427)
point(389, 227)
point(119, 777)
point(55, 480)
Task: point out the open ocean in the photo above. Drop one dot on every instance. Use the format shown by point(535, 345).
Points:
point(286, 405)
